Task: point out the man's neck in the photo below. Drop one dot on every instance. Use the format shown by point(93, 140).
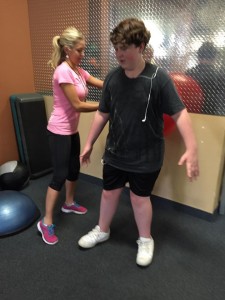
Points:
point(137, 70)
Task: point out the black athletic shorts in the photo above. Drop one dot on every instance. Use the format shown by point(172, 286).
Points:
point(141, 184)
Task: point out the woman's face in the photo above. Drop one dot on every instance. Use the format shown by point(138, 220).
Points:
point(128, 56)
point(76, 54)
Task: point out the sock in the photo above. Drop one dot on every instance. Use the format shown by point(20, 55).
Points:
point(143, 239)
point(44, 223)
point(70, 204)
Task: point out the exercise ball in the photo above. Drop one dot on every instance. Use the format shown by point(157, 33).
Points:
point(169, 124)
point(17, 212)
point(189, 91)
point(14, 175)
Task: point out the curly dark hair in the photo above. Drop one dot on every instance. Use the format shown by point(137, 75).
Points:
point(130, 31)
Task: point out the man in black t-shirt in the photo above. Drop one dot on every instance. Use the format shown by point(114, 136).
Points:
point(135, 97)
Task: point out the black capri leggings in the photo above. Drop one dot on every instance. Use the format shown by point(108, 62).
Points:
point(65, 152)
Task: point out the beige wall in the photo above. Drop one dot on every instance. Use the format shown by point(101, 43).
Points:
point(16, 71)
point(204, 193)
point(172, 183)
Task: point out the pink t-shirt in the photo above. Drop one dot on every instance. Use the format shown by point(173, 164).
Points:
point(64, 118)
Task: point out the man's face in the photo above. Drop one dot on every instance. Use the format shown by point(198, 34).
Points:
point(128, 56)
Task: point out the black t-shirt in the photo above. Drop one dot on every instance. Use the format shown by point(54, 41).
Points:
point(135, 141)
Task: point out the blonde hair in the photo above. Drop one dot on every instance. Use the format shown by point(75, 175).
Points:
point(69, 38)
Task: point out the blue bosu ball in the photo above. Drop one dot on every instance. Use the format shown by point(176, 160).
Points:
point(17, 211)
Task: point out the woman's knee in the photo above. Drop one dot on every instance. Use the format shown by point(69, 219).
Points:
point(57, 183)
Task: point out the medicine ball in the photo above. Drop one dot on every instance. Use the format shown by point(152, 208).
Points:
point(14, 175)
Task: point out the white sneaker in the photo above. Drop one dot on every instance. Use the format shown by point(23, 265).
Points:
point(93, 237)
point(145, 251)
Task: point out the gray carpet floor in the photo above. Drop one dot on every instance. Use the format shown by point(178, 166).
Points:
point(189, 260)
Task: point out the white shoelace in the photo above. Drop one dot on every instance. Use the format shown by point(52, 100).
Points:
point(93, 234)
point(143, 246)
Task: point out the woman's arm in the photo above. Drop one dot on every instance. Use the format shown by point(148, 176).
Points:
point(80, 106)
point(93, 81)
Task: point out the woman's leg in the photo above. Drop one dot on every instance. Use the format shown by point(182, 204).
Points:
point(50, 202)
point(60, 149)
point(70, 191)
point(70, 205)
point(73, 168)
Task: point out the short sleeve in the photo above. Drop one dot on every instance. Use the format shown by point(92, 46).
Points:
point(84, 74)
point(64, 75)
point(171, 102)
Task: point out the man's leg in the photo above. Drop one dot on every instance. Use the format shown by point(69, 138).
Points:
point(108, 207)
point(142, 208)
point(101, 232)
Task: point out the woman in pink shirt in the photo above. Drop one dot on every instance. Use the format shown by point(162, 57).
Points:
point(69, 91)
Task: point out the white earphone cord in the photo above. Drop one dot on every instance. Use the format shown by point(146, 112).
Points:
point(149, 95)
